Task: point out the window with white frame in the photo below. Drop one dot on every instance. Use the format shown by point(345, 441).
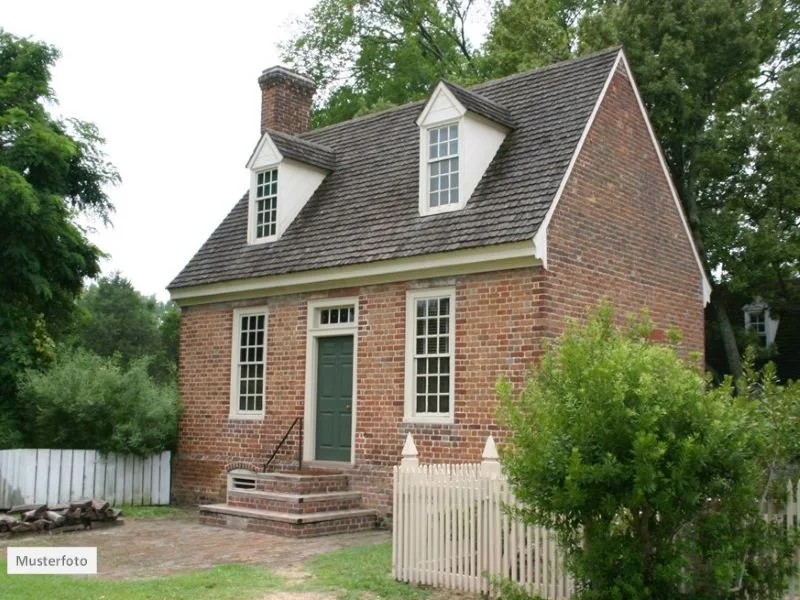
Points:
point(249, 362)
point(430, 356)
point(336, 315)
point(443, 170)
point(756, 321)
point(266, 199)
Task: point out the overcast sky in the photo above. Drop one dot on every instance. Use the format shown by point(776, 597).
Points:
point(172, 85)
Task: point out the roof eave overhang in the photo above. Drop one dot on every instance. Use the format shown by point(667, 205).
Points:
point(442, 264)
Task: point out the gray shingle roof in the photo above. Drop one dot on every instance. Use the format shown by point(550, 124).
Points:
point(302, 150)
point(367, 208)
point(481, 105)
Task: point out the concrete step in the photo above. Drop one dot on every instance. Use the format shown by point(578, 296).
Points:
point(295, 503)
point(287, 524)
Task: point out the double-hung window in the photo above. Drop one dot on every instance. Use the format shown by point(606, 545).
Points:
point(756, 321)
point(266, 204)
point(430, 356)
point(443, 166)
point(248, 368)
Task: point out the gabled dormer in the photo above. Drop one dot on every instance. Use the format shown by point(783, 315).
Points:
point(460, 132)
point(284, 169)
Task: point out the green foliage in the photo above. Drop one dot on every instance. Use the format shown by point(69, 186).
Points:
point(367, 54)
point(650, 482)
point(86, 401)
point(50, 171)
point(116, 319)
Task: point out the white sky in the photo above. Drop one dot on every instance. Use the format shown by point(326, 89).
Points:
point(172, 86)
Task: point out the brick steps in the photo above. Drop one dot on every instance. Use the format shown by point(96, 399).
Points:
point(294, 503)
point(300, 504)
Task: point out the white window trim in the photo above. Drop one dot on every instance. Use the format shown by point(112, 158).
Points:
point(251, 208)
point(770, 324)
point(412, 296)
point(425, 181)
point(314, 331)
point(234, 412)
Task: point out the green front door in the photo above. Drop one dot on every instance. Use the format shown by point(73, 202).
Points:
point(334, 397)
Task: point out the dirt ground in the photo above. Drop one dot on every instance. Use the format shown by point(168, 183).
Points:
point(156, 546)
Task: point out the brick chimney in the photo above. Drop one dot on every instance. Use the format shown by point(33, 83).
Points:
point(285, 100)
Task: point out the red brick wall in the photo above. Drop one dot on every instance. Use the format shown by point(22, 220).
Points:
point(498, 326)
point(616, 231)
point(285, 102)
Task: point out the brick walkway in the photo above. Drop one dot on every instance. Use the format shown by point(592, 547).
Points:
point(152, 547)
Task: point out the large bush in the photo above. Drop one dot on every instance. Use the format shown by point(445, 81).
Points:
point(87, 401)
point(651, 482)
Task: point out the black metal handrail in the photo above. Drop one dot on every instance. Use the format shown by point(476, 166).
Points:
point(283, 440)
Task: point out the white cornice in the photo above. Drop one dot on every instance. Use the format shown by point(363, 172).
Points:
point(473, 260)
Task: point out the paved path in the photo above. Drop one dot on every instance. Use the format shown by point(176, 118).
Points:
point(155, 546)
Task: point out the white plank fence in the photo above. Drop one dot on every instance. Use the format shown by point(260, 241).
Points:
point(54, 476)
point(450, 530)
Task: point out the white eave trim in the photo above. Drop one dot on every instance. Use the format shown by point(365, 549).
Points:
point(473, 260)
point(265, 139)
point(540, 238)
point(441, 88)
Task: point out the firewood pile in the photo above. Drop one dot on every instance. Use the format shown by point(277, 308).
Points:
point(72, 515)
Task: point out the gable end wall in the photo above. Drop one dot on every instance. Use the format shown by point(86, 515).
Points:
point(616, 231)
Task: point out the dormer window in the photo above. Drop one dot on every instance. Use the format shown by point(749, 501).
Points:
point(443, 168)
point(460, 133)
point(266, 209)
point(301, 167)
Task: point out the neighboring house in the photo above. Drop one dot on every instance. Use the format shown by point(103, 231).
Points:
point(778, 334)
point(380, 274)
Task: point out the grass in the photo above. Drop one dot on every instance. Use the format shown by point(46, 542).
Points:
point(359, 570)
point(227, 582)
point(351, 573)
point(144, 512)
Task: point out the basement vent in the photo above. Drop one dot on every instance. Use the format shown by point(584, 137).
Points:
point(241, 480)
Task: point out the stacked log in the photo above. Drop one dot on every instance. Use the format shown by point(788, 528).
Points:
point(27, 518)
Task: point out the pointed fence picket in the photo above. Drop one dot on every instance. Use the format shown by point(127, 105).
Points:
point(53, 476)
point(452, 529)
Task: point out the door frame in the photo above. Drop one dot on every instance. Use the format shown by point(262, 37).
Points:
point(314, 331)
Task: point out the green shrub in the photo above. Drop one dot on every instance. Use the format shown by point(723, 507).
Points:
point(86, 401)
point(651, 483)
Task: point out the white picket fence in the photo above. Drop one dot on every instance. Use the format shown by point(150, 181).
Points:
point(55, 476)
point(450, 530)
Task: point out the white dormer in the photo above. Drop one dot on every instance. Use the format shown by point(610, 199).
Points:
point(285, 171)
point(456, 147)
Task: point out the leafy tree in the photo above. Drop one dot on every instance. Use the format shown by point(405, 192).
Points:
point(650, 481)
point(51, 170)
point(114, 318)
point(703, 69)
point(366, 54)
point(87, 401)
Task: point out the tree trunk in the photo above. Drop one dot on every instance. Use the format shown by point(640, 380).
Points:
point(726, 331)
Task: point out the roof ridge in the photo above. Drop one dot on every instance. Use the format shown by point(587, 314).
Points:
point(380, 113)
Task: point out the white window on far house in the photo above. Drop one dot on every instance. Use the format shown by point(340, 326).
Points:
point(443, 169)
point(266, 209)
point(756, 321)
point(248, 368)
point(430, 355)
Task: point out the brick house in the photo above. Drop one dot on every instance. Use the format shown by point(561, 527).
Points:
point(380, 274)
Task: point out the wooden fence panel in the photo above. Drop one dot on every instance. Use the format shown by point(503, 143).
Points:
point(451, 529)
point(54, 476)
